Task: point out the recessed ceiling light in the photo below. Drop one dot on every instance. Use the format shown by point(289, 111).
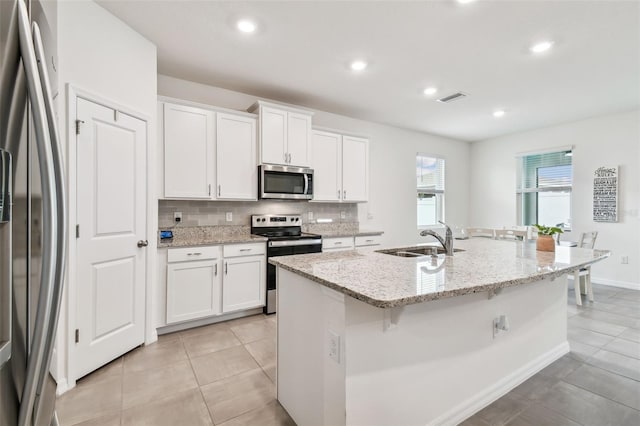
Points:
point(498, 113)
point(246, 26)
point(358, 65)
point(430, 91)
point(541, 47)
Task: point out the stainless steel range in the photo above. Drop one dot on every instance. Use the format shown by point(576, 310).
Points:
point(285, 238)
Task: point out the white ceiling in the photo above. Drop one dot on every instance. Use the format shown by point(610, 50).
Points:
point(301, 52)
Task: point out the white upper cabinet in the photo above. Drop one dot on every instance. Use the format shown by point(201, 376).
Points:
point(273, 135)
point(327, 166)
point(285, 134)
point(355, 170)
point(340, 167)
point(299, 139)
point(236, 168)
point(188, 151)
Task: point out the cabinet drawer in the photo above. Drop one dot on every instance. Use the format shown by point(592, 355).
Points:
point(233, 250)
point(335, 243)
point(370, 240)
point(193, 253)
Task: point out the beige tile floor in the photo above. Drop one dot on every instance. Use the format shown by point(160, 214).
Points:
point(220, 374)
point(224, 374)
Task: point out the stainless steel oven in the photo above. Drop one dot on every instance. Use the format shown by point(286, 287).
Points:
point(285, 182)
point(285, 239)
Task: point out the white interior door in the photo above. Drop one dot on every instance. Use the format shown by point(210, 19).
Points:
point(111, 212)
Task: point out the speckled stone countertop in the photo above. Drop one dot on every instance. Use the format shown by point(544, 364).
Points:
point(334, 230)
point(185, 236)
point(388, 281)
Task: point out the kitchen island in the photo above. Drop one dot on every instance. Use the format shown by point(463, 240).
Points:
point(369, 338)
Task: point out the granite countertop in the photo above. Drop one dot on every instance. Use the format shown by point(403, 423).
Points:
point(187, 236)
point(388, 281)
point(338, 229)
point(338, 233)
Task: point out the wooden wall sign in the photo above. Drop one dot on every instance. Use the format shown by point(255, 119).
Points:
point(605, 194)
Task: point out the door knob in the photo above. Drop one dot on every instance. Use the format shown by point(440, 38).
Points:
point(143, 243)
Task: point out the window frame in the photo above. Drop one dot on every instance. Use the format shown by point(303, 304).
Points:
point(438, 193)
point(521, 191)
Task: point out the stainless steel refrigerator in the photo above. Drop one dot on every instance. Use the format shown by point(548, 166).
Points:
point(32, 212)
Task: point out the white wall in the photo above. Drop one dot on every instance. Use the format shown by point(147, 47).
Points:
point(392, 199)
point(608, 140)
point(100, 54)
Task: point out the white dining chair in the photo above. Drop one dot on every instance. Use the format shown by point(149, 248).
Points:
point(510, 234)
point(587, 240)
point(481, 232)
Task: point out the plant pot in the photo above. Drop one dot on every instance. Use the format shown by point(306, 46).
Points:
point(545, 243)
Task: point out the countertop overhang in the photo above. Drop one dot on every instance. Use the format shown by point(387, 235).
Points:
point(388, 281)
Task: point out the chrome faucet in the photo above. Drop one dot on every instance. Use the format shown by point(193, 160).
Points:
point(447, 243)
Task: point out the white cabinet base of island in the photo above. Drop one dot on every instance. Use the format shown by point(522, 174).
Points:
point(345, 362)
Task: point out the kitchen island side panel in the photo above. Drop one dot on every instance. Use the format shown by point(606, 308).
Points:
point(310, 383)
point(441, 362)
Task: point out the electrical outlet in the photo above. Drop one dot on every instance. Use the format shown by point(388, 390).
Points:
point(334, 346)
point(177, 217)
point(343, 215)
point(310, 216)
point(369, 216)
point(229, 216)
point(624, 260)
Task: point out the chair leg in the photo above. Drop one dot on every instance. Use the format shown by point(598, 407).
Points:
point(576, 287)
point(587, 284)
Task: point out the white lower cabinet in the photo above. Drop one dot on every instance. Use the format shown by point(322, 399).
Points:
point(337, 244)
point(214, 280)
point(368, 240)
point(245, 273)
point(194, 287)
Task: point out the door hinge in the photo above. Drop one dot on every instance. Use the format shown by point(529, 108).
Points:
point(78, 122)
point(77, 335)
point(77, 231)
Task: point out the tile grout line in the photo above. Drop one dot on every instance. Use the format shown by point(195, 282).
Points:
point(600, 395)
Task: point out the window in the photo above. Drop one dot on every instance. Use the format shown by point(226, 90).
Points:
point(430, 186)
point(544, 189)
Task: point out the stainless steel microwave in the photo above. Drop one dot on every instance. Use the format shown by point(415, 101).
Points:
point(285, 182)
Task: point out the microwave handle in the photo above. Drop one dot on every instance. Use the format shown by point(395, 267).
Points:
point(306, 184)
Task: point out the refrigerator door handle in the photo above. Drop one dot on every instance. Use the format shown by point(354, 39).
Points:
point(61, 216)
point(38, 360)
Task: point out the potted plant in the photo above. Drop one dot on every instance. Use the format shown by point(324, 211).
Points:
point(545, 241)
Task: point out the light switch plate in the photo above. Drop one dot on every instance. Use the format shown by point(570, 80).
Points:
point(343, 215)
point(229, 216)
point(334, 346)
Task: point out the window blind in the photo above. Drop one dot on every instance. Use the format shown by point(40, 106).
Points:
point(548, 172)
point(430, 174)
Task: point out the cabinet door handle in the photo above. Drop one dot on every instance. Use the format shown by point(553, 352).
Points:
point(194, 254)
point(215, 270)
point(245, 249)
point(285, 157)
point(344, 194)
point(225, 268)
point(368, 241)
point(209, 190)
point(338, 194)
point(219, 189)
point(337, 243)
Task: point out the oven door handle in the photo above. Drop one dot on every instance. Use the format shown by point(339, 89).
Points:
point(293, 243)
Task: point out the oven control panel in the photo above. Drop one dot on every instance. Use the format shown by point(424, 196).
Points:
point(272, 220)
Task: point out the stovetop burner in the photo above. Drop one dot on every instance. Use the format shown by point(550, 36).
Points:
point(279, 227)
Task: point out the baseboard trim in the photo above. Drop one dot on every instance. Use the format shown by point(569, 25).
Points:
point(613, 283)
point(62, 387)
point(474, 404)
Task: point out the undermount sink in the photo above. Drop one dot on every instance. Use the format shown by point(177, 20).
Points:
point(416, 251)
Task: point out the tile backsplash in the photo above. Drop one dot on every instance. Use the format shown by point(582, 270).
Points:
point(207, 213)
